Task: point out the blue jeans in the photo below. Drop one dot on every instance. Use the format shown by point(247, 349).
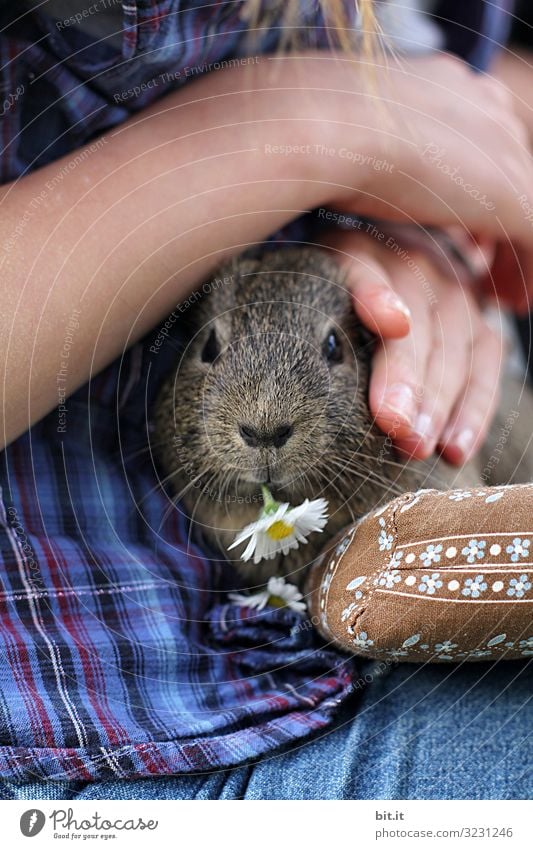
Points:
point(433, 732)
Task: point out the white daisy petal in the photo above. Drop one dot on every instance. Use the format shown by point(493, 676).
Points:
point(275, 585)
point(246, 532)
point(278, 590)
point(281, 528)
point(257, 600)
point(250, 548)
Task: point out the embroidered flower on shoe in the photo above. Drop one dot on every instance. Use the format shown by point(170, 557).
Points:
point(343, 545)
point(431, 555)
point(384, 540)
point(474, 586)
point(519, 586)
point(395, 559)
point(459, 495)
point(475, 550)
point(361, 641)
point(430, 583)
point(518, 549)
point(347, 612)
point(445, 646)
point(526, 646)
point(388, 579)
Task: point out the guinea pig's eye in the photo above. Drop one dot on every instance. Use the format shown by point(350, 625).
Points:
point(332, 348)
point(210, 351)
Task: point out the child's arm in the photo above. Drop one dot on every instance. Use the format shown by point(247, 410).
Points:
point(125, 234)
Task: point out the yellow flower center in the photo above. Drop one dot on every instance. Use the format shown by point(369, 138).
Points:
point(279, 530)
point(277, 601)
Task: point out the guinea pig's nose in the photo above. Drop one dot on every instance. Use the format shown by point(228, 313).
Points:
point(281, 434)
point(255, 438)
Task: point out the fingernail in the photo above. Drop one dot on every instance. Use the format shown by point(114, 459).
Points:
point(400, 400)
point(424, 427)
point(395, 303)
point(463, 440)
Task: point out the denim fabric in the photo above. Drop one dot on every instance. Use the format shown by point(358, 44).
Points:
point(416, 733)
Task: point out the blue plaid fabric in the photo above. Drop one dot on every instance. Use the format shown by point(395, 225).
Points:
point(119, 654)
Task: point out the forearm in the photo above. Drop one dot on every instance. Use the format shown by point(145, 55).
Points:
point(514, 68)
point(166, 197)
point(126, 233)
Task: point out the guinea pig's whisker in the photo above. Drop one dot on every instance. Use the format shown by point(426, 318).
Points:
point(159, 485)
point(382, 460)
point(167, 513)
point(147, 449)
point(424, 466)
point(341, 473)
point(320, 481)
point(230, 478)
point(191, 513)
point(345, 502)
point(175, 499)
point(191, 517)
point(301, 478)
point(353, 463)
point(388, 483)
point(328, 476)
point(306, 480)
point(191, 483)
point(311, 476)
point(367, 475)
point(342, 469)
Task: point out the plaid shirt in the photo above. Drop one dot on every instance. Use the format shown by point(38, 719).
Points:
point(119, 654)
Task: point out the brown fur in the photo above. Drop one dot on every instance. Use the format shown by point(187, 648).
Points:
point(271, 319)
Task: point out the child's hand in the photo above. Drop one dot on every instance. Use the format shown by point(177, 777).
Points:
point(435, 373)
point(429, 140)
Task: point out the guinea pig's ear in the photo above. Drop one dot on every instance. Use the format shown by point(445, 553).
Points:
point(211, 347)
point(365, 341)
point(213, 338)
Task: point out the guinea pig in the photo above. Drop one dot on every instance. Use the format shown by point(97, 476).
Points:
point(272, 388)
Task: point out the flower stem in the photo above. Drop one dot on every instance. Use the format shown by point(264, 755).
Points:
point(270, 505)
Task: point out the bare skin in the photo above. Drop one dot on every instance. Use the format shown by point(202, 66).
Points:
point(173, 192)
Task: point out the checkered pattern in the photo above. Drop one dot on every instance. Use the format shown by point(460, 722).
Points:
point(119, 655)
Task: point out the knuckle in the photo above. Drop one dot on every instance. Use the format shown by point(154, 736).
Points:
point(499, 91)
point(454, 62)
point(482, 392)
point(403, 360)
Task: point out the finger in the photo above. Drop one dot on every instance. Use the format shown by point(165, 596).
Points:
point(399, 368)
point(455, 321)
point(377, 305)
point(478, 252)
point(473, 412)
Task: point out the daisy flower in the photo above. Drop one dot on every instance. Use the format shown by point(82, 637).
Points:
point(277, 593)
point(280, 527)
